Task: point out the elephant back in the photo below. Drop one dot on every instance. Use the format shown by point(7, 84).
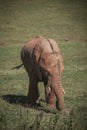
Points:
point(48, 46)
point(54, 45)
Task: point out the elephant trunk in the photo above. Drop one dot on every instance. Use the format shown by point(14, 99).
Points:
point(57, 88)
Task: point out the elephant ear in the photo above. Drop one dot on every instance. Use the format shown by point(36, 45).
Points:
point(37, 53)
point(59, 56)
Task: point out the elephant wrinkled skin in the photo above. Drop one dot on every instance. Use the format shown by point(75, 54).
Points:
point(43, 61)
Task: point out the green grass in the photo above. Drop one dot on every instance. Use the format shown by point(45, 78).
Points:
point(20, 21)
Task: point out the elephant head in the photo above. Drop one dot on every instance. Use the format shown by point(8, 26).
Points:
point(48, 58)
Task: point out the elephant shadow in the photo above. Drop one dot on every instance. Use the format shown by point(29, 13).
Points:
point(15, 99)
point(22, 100)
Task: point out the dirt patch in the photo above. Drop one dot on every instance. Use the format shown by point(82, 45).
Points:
point(84, 40)
point(2, 44)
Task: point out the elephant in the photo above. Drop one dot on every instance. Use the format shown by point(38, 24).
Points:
point(43, 62)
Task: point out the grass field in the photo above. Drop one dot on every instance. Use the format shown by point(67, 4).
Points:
point(20, 21)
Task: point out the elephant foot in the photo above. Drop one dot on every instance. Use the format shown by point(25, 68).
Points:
point(33, 104)
point(28, 105)
point(51, 106)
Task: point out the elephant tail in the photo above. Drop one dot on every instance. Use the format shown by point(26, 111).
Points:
point(17, 67)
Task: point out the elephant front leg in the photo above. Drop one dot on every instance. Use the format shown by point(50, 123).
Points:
point(49, 96)
point(33, 93)
point(51, 100)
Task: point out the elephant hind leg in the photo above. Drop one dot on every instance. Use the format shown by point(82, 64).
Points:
point(33, 93)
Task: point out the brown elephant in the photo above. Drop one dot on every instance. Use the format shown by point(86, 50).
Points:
point(43, 62)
